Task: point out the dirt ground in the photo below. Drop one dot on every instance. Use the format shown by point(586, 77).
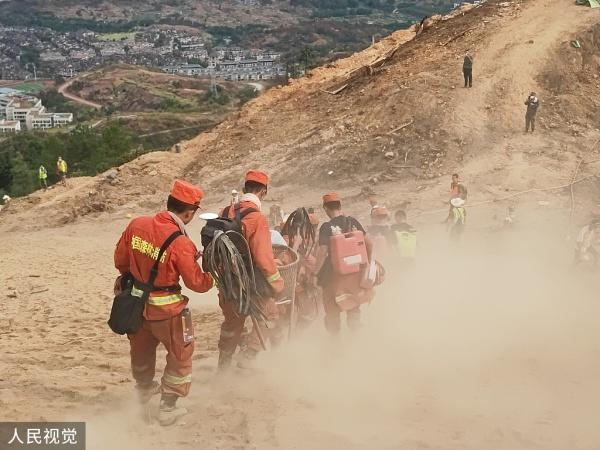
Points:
point(492, 344)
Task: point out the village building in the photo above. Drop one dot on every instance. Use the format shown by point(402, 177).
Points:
point(29, 113)
point(9, 126)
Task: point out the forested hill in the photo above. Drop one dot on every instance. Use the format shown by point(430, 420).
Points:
point(331, 28)
point(272, 13)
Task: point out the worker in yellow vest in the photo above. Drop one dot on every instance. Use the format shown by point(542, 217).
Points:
point(405, 239)
point(457, 218)
point(61, 169)
point(43, 176)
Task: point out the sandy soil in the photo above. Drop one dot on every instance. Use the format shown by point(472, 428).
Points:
point(489, 345)
point(493, 344)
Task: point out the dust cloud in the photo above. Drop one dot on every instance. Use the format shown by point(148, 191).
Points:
point(492, 343)
point(483, 346)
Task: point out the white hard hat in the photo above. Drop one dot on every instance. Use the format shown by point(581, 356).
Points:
point(277, 238)
point(457, 202)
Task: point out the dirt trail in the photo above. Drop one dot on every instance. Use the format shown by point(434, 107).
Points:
point(64, 90)
point(489, 117)
point(507, 66)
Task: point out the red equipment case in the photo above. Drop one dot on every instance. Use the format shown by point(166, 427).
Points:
point(348, 252)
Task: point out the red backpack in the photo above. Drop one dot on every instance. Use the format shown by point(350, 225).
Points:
point(348, 252)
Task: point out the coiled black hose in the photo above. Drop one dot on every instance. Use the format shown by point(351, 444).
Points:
point(298, 224)
point(229, 261)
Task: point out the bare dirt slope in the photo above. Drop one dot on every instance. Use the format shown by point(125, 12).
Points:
point(491, 345)
point(129, 88)
point(408, 123)
point(307, 135)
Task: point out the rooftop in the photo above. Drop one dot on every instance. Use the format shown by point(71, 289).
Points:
point(24, 103)
point(8, 123)
point(20, 100)
point(49, 115)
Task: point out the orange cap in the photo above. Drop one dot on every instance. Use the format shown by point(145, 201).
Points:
point(258, 177)
point(380, 211)
point(187, 193)
point(331, 197)
point(314, 219)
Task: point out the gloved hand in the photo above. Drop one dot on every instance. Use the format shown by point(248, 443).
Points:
point(122, 283)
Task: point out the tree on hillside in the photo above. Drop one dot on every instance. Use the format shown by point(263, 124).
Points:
point(87, 151)
point(307, 57)
point(247, 94)
point(22, 176)
point(30, 56)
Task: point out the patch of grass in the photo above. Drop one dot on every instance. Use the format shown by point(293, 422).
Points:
point(169, 97)
point(30, 88)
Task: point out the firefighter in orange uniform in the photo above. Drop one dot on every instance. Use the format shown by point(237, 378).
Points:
point(135, 254)
point(307, 292)
point(255, 229)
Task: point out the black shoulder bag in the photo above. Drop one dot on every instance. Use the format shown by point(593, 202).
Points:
point(127, 309)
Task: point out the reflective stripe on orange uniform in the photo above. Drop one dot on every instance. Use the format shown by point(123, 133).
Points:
point(137, 250)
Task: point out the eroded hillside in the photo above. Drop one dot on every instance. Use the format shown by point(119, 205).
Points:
point(395, 118)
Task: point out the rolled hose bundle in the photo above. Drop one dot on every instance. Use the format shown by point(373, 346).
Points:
point(233, 272)
point(298, 224)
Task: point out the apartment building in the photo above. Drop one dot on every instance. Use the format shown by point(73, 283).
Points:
point(46, 120)
point(9, 126)
point(29, 113)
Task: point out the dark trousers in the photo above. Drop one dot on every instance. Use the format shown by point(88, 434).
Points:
point(529, 122)
point(233, 326)
point(468, 73)
point(333, 320)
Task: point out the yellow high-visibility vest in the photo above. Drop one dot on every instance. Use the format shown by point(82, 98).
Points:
point(459, 215)
point(62, 166)
point(407, 244)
